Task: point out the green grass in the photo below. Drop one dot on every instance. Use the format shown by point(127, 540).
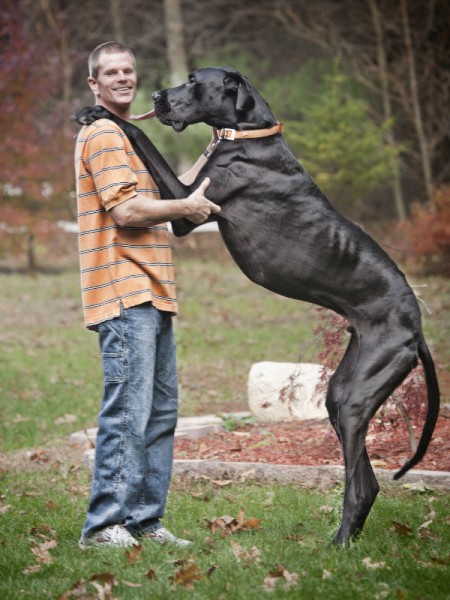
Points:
point(295, 529)
point(50, 379)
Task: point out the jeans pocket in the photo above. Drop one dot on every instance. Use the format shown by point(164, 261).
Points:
point(114, 351)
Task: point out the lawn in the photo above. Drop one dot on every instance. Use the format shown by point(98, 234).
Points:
point(50, 379)
point(280, 547)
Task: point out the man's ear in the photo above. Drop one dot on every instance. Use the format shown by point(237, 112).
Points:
point(92, 83)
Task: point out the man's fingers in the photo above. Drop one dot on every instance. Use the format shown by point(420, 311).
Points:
point(215, 208)
point(204, 185)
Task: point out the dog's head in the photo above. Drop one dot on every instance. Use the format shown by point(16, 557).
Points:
point(218, 96)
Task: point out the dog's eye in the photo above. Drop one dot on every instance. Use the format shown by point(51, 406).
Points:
point(190, 82)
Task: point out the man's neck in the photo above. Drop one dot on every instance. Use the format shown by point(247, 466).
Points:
point(125, 114)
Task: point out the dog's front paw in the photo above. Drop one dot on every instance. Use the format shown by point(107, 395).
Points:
point(89, 114)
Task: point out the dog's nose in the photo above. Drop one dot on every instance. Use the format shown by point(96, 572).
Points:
point(156, 95)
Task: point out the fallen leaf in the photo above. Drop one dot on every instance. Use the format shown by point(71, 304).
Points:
point(419, 486)
point(133, 556)
point(130, 584)
point(281, 574)
point(20, 419)
point(401, 528)
point(39, 455)
point(222, 483)
point(211, 570)
point(43, 532)
point(200, 496)
point(41, 551)
point(67, 418)
point(151, 574)
point(247, 474)
point(31, 569)
point(326, 509)
point(187, 576)
point(425, 525)
point(246, 556)
point(80, 588)
point(326, 574)
point(367, 562)
point(104, 591)
point(4, 508)
point(229, 525)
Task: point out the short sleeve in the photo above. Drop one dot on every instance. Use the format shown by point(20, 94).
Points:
point(106, 158)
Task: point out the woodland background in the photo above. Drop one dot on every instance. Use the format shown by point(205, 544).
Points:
point(362, 86)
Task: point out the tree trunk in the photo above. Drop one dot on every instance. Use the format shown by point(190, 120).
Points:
point(387, 108)
point(176, 50)
point(116, 19)
point(62, 35)
point(417, 112)
point(31, 253)
point(176, 56)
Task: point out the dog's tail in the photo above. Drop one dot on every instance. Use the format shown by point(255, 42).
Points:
point(433, 407)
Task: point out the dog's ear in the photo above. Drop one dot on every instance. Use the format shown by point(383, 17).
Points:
point(241, 85)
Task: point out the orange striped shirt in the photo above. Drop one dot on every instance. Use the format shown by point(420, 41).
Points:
point(119, 265)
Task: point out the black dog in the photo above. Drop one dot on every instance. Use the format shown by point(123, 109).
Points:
point(286, 236)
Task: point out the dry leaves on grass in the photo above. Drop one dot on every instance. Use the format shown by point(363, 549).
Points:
point(367, 562)
point(280, 578)
point(41, 549)
point(134, 555)
point(228, 525)
point(187, 574)
point(247, 557)
point(103, 584)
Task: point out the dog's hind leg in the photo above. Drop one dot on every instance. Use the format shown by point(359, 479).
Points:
point(377, 371)
point(335, 398)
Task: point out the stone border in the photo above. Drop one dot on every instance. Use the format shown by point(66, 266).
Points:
point(313, 477)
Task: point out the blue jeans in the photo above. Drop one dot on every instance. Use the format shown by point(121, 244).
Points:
point(137, 420)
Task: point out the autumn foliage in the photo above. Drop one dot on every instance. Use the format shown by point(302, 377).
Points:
point(36, 153)
point(428, 234)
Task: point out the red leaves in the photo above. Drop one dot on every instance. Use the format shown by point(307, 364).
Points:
point(428, 233)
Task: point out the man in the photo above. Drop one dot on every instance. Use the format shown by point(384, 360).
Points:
point(129, 298)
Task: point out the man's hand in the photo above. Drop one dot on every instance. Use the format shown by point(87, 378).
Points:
point(200, 207)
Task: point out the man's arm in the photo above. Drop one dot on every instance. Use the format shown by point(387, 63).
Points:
point(141, 211)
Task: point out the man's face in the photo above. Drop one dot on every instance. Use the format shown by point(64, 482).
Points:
point(115, 85)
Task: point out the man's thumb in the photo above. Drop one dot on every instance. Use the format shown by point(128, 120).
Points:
point(204, 185)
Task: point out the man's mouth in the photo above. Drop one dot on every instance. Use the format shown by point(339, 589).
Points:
point(122, 89)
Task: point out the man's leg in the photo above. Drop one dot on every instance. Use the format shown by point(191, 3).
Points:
point(159, 432)
point(128, 346)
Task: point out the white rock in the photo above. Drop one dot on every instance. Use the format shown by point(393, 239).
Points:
point(286, 391)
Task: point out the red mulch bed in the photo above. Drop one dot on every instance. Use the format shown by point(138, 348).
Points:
point(313, 443)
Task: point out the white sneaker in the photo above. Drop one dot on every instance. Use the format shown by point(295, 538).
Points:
point(114, 535)
point(163, 536)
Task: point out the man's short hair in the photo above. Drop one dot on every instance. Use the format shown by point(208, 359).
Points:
point(109, 48)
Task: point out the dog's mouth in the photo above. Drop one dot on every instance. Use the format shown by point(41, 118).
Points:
point(162, 116)
point(178, 125)
point(165, 118)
